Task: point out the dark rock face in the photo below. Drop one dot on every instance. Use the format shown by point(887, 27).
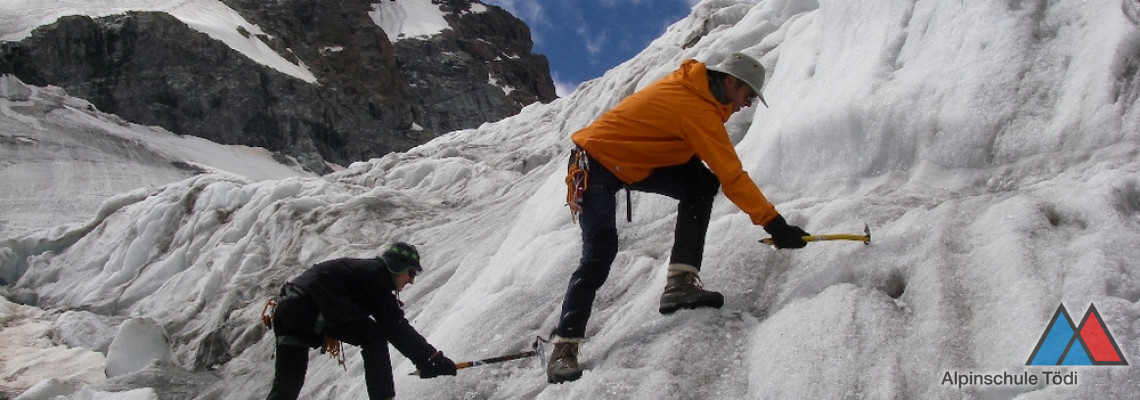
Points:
point(449, 75)
point(371, 97)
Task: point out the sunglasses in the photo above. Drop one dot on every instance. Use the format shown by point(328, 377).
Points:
point(750, 99)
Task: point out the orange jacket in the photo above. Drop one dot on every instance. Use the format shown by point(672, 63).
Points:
point(667, 124)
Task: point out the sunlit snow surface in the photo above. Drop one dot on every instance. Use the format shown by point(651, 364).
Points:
point(408, 18)
point(992, 148)
point(60, 158)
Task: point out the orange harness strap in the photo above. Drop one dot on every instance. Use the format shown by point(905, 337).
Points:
point(577, 178)
point(333, 347)
point(267, 313)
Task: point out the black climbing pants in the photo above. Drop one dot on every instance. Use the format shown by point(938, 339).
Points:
point(295, 324)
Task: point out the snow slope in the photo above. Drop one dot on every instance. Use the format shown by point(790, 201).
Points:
point(61, 159)
point(992, 147)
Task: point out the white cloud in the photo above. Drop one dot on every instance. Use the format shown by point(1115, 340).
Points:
point(593, 40)
point(616, 3)
point(563, 88)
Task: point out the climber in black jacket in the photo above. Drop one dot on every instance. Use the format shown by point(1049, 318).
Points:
point(353, 301)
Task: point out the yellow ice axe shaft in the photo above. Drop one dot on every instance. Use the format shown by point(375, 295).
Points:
point(865, 237)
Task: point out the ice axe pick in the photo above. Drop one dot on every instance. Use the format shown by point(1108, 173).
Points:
point(865, 237)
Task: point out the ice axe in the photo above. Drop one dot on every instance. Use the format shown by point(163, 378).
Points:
point(535, 351)
point(865, 237)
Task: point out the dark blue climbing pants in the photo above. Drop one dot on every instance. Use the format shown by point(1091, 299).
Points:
point(692, 184)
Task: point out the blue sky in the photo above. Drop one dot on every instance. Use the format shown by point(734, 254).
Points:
point(585, 38)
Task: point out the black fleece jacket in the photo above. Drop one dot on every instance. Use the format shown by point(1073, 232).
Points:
point(348, 289)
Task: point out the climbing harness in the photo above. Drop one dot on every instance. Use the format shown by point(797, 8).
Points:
point(267, 313)
point(577, 178)
point(333, 347)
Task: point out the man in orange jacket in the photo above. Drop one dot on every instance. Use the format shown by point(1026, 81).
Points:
point(659, 140)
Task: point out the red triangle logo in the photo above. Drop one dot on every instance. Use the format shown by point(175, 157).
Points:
point(1101, 346)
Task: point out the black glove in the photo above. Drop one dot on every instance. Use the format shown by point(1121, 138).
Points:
point(437, 365)
point(785, 236)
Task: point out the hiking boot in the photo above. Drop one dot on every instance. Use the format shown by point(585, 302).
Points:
point(683, 290)
point(563, 365)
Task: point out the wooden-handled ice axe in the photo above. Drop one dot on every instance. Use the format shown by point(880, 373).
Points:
point(865, 237)
point(534, 352)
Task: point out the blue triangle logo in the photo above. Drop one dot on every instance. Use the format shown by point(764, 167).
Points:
point(1056, 342)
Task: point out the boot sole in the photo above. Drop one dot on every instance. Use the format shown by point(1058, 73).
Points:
point(710, 303)
point(563, 378)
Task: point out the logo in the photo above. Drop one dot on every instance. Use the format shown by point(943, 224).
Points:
point(1064, 343)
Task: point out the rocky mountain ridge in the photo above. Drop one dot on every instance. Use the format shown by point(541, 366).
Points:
point(371, 96)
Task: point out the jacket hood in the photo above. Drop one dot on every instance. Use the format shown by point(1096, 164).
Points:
point(693, 75)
